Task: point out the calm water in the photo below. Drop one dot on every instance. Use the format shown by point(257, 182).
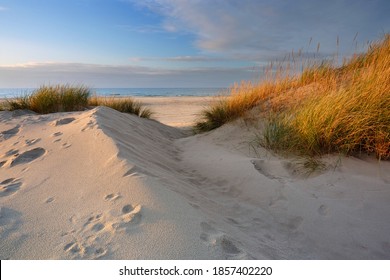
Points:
point(15, 92)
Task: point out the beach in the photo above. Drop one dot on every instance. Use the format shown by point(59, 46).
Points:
point(168, 110)
point(100, 184)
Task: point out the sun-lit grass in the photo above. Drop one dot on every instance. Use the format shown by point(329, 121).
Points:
point(51, 99)
point(66, 98)
point(124, 105)
point(326, 109)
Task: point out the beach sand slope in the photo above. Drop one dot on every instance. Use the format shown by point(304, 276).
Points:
point(78, 186)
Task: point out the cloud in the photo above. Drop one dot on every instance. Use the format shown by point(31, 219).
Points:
point(2, 8)
point(272, 25)
point(95, 75)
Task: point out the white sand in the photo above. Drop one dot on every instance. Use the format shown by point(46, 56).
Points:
point(104, 185)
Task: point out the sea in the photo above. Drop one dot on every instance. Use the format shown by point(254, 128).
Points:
point(169, 92)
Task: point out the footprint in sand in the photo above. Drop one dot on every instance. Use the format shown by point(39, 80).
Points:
point(6, 134)
point(323, 210)
point(291, 224)
point(66, 145)
point(7, 181)
point(2, 163)
point(89, 241)
point(112, 197)
point(98, 227)
point(130, 218)
point(11, 152)
point(57, 134)
point(78, 250)
point(127, 209)
point(92, 238)
point(260, 166)
point(63, 121)
point(9, 187)
point(95, 223)
point(228, 246)
point(49, 200)
point(93, 218)
point(91, 124)
point(73, 248)
point(30, 142)
point(215, 238)
point(28, 156)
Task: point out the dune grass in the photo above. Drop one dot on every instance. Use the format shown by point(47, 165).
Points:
point(124, 105)
point(20, 103)
point(66, 98)
point(325, 109)
point(52, 99)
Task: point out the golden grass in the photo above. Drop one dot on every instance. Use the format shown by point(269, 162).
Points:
point(124, 105)
point(51, 99)
point(325, 109)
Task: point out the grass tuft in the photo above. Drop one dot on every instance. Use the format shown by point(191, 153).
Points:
point(59, 98)
point(21, 103)
point(216, 115)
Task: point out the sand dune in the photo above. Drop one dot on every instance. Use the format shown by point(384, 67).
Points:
point(100, 184)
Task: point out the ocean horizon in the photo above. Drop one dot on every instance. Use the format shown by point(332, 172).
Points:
point(169, 92)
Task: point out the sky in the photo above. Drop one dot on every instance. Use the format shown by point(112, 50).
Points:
point(174, 43)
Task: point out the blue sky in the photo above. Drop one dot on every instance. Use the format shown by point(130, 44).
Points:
point(173, 43)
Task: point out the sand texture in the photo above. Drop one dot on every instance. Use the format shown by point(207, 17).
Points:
point(100, 184)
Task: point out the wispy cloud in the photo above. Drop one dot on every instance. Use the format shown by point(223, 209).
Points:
point(2, 9)
point(255, 58)
point(255, 26)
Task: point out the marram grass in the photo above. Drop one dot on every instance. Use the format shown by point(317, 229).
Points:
point(66, 98)
point(326, 109)
point(124, 105)
point(51, 99)
point(59, 98)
